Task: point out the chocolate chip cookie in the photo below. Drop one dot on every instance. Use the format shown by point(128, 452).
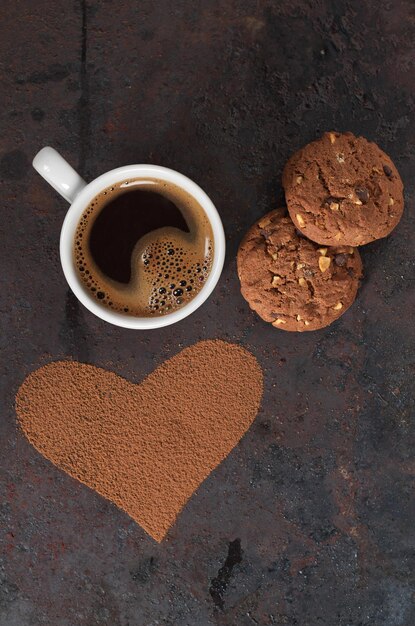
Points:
point(343, 190)
point(292, 282)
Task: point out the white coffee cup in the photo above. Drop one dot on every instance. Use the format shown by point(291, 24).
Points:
point(58, 173)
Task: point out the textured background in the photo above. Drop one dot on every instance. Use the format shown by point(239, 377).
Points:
point(309, 520)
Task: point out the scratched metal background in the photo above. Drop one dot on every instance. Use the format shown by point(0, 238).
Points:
point(310, 520)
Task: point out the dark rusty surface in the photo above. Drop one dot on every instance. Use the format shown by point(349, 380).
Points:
point(309, 519)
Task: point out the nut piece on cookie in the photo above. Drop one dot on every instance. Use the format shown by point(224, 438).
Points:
point(324, 263)
point(294, 291)
point(300, 220)
point(348, 188)
point(278, 322)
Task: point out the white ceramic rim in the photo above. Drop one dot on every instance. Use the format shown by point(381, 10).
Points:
point(75, 211)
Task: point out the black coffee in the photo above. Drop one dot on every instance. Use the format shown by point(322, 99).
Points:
point(143, 247)
point(123, 222)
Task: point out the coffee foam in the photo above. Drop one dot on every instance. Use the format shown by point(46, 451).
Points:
point(168, 266)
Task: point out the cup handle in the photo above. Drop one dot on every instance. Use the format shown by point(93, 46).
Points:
point(58, 173)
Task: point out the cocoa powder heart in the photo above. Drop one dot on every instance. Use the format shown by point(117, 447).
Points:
point(148, 446)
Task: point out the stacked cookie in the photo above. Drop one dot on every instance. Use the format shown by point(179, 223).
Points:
point(303, 271)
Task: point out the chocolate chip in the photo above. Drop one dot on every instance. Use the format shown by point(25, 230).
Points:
point(340, 259)
point(350, 271)
point(265, 233)
point(363, 194)
point(387, 170)
point(308, 273)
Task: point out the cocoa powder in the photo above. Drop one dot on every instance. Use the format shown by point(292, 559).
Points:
point(145, 447)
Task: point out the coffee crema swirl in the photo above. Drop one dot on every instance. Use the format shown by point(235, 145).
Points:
point(143, 247)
